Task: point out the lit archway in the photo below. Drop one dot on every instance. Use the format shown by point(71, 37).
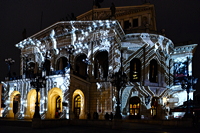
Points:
point(55, 96)
point(12, 96)
point(78, 102)
point(134, 107)
point(31, 99)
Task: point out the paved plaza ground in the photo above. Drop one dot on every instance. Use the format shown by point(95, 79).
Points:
point(138, 128)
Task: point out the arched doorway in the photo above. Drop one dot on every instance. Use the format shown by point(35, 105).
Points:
point(31, 99)
point(16, 101)
point(154, 106)
point(78, 104)
point(55, 98)
point(134, 107)
point(14, 104)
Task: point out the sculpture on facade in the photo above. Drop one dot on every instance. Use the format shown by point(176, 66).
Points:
point(113, 10)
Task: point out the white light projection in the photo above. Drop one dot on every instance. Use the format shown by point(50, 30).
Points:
point(89, 37)
point(54, 43)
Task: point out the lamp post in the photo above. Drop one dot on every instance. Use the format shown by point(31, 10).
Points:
point(188, 84)
point(38, 82)
point(9, 62)
point(119, 79)
point(70, 50)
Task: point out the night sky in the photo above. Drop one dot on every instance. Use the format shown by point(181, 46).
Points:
point(180, 19)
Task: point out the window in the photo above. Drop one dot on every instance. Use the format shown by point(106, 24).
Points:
point(77, 106)
point(153, 72)
point(135, 70)
point(61, 63)
point(101, 65)
point(127, 24)
point(135, 22)
point(58, 102)
point(31, 69)
point(134, 106)
point(81, 66)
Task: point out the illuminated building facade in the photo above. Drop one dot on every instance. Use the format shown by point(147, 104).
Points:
point(79, 57)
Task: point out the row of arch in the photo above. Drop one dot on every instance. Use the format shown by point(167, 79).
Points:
point(100, 67)
point(135, 105)
point(80, 65)
point(54, 104)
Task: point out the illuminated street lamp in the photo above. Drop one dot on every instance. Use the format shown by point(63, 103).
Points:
point(119, 80)
point(9, 62)
point(38, 82)
point(188, 84)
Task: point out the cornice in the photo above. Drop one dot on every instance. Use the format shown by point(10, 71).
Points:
point(184, 49)
point(120, 11)
point(65, 28)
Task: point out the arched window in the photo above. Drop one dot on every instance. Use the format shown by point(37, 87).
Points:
point(153, 72)
point(31, 69)
point(81, 66)
point(134, 107)
point(101, 65)
point(135, 70)
point(61, 63)
point(77, 106)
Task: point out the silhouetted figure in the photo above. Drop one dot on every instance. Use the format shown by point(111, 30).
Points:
point(14, 75)
point(24, 34)
point(95, 116)
point(162, 32)
point(72, 17)
point(113, 10)
point(111, 116)
point(107, 116)
point(97, 3)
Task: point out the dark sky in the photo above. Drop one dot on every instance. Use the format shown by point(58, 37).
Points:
point(180, 19)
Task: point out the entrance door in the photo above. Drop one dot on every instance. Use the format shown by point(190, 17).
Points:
point(77, 106)
point(16, 101)
point(134, 107)
point(154, 105)
point(58, 107)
